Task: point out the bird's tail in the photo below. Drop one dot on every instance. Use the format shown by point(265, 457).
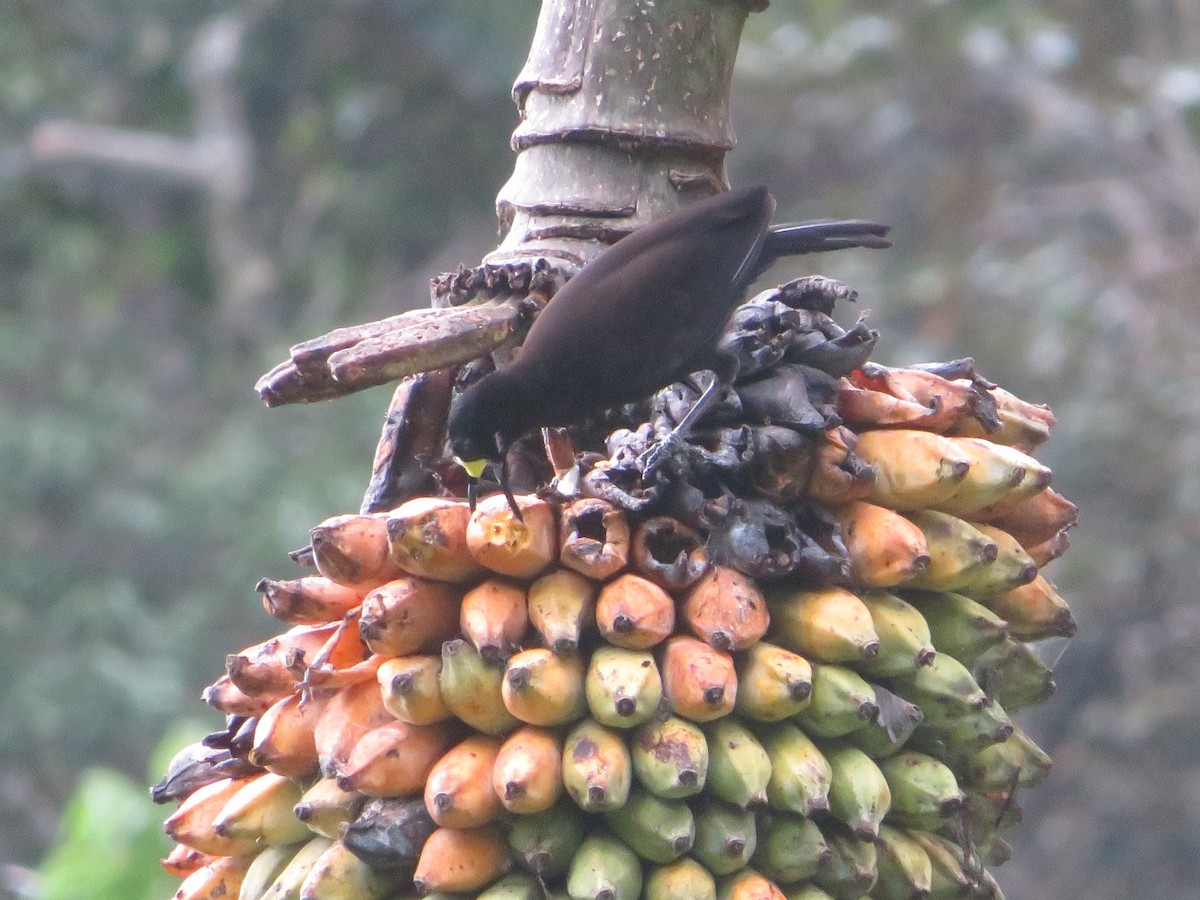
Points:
point(814, 237)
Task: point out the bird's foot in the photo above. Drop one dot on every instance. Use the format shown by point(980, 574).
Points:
point(513, 506)
point(658, 454)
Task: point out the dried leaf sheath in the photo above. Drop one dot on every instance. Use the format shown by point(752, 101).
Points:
point(315, 352)
point(456, 336)
point(352, 359)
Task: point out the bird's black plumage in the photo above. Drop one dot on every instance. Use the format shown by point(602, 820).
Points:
point(647, 312)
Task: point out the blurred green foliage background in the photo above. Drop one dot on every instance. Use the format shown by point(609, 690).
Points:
point(189, 186)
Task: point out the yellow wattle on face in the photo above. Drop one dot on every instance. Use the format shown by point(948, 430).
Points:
point(473, 467)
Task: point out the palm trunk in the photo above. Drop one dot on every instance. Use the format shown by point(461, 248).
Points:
point(624, 110)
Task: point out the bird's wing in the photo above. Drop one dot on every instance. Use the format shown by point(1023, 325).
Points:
point(651, 303)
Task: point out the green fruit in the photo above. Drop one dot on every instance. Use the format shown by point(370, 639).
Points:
point(859, 796)
point(925, 793)
point(471, 689)
point(658, 830)
point(545, 842)
point(597, 769)
point(904, 640)
point(265, 869)
point(898, 719)
point(944, 689)
point(842, 702)
point(987, 887)
point(959, 626)
point(905, 871)
point(288, 882)
point(990, 812)
point(957, 740)
point(623, 687)
point(948, 874)
point(852, 868)
point(603, 868)
point(997, 472)
point(1012, 762)
point(325, 808)
point(1011, 568)
point(670, 758)
point(791, 848)
point(800, 773)
point(517, 886)
point(806, 892)
point(738, 766)
point(957, 551)
point(726, 837)
point(1013, 675)
point(339, 874)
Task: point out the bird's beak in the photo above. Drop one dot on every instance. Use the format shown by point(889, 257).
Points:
point(474, 469)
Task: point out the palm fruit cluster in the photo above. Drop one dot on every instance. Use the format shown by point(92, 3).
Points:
point(786, 668)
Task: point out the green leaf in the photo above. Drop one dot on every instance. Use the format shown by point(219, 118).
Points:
point(109, 843)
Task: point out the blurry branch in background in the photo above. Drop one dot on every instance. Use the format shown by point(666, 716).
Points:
point(212, 164)
point(217, 161)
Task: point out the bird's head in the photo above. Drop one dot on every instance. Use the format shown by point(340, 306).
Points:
point(480, 425)
point(473, 430)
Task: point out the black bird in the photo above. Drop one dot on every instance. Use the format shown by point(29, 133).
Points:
point(647, 312)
